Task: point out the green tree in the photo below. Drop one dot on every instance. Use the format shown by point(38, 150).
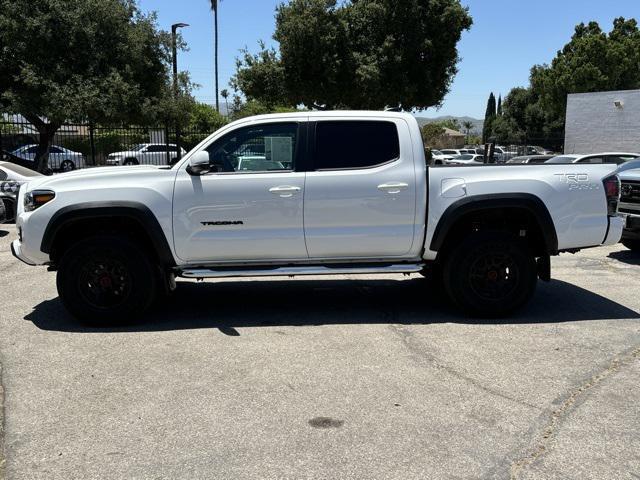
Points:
point(255, 107)
point(62, 60)
point(499, 109)
point(358, 54)
point(260, 77)
point(592, 61)
point(505, 130)
point(489, 116)
point(205, 118)
point(225, 94)
point(431, 132)
point(468, 126)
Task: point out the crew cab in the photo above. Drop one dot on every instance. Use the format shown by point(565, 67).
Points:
point(336, 193)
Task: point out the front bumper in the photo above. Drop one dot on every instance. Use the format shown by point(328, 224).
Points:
point(631, 228)
point(616, 224)
point(16, 251)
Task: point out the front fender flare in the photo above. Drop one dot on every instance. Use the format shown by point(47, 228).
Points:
point(92, 210)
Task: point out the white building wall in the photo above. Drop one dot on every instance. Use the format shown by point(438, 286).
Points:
point(595, 124)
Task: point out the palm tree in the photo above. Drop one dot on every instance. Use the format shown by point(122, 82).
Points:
point(225, 94)
point(214, 7)
point(467, 125)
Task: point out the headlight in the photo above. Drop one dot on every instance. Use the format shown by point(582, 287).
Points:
point(10, 186)
point(37, 198)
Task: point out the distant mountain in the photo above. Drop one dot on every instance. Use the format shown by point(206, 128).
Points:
point(477, 123)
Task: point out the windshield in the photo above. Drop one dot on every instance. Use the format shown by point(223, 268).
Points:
point(562, 159)
point(138, 147)
point(436, 152)
point(20, 170)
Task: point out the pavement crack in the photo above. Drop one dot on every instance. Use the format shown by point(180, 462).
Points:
point(550, 429)
point(415, 347)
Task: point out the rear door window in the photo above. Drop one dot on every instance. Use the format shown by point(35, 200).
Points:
point(355, 144)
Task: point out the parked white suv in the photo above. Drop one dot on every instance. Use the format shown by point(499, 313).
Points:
point(336, 193)
point(617, 158)
point(146, 154)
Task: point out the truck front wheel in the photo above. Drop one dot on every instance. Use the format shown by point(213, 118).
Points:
point(490, 274)
point(106, 280)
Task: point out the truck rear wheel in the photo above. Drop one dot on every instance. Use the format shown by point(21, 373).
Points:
point(633, 245)
point(490, 274)
point(106, 280)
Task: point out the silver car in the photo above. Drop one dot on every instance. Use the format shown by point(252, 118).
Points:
point(60, 159)
point(12, 177)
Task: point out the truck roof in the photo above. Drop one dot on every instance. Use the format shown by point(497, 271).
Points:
point(331, 113)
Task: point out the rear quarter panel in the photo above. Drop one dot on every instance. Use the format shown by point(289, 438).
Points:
point(573, 194)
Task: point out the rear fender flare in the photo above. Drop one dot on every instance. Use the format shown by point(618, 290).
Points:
point(476, 203)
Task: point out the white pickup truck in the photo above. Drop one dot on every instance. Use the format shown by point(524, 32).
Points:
point(331, 193)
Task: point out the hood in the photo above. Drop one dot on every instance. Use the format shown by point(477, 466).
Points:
point(633, 174)
point(88, 176)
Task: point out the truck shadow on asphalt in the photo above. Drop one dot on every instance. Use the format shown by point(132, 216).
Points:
point(237, 304)
point(626, 256)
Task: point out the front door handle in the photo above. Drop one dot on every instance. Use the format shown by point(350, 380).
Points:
point(285, 191)
point(393, 187)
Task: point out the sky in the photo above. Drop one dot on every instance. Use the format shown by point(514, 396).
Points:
point(507, 38)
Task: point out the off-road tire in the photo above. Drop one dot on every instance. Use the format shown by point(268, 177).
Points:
point(106, 280)
point(633, 245)
point(490, 275)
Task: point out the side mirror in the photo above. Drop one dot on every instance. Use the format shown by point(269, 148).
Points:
point(199, 163)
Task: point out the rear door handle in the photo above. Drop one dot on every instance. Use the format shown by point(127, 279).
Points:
point(393, 187)
point(285, 191)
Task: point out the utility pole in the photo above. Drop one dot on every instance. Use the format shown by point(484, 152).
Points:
point(214, 7)
point(176, 92)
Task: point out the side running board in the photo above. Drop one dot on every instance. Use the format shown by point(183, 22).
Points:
point(299, 270)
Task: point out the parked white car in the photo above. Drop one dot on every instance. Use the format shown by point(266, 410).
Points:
point(147, 154)
point(606, 157)
point(440, 158)
point(60, 159)
point(467, 159)
point(452, 152)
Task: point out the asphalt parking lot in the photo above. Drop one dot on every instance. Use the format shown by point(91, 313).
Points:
point(375, 378)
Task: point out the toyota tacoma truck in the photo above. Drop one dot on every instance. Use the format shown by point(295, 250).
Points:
point(324, 193)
